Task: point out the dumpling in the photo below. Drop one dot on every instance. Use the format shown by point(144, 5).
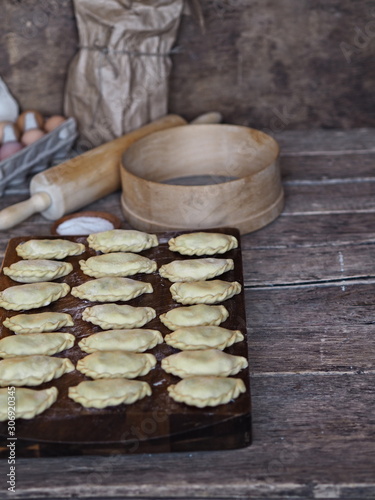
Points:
point(206, 391)
point(122, 240)
point(38, 322)
point(31, 296)
point(34, 270)
point(195, 269)
point(110, 289)
point(117, 264)
point(206, 362)
point(112, 316)
point(28, 344)
point(198, 315)
point(204, 292)
point(201, 243)
point(109, 392)
point(29, 402)
point(203, 337)
point(114, 364)
point(49, 249)
point(32, 370)
point(136, 340)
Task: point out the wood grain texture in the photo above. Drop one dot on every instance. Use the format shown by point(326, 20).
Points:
point(310, 313)
point(303, 424)
point(275, 65)
point(300, 335)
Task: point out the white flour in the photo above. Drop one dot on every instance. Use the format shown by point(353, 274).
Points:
point(84, 225)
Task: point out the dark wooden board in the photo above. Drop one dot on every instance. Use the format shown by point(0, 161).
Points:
point(153, 424)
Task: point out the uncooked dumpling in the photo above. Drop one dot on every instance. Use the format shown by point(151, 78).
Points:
point(195, 269)
point(31, 296)
point(32, 370)
point(29, 402)
point(113, 316)
point(198, 315)
point(38, 322)
point(122, 240)
point(28, 344)
point(109, 392)
point(111, 289)
point(204, 292)
point(206, 391)
point(117, 264)
point(131, 340)
point(49, 249)
point(203, 337)
point(35, 270)
point(114, 364)
point(206, 362)
point(202, 243)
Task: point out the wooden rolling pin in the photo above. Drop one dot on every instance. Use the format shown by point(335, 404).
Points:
point(77, 182)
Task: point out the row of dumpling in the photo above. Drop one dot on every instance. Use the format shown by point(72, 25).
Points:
point(202, 364)
point(116, 356)
point(29, 354)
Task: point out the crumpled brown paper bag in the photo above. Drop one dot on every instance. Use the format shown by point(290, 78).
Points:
point(118, 81)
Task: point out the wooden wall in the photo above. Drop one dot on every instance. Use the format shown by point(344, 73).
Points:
point(271, 64)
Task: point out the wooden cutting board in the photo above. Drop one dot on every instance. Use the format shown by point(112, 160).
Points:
point(153, 424)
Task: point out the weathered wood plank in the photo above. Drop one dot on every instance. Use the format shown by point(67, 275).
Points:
point(260, 49)
point(313, 231)
point(320, 198)
point(311, 306)
point(311, 329)
point(278, 266)
point(310, 350)
point(327, 168)
point(312, 435)
point(316, 141)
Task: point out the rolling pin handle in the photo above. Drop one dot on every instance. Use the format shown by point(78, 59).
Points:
point(207, 118)
point(13, 215)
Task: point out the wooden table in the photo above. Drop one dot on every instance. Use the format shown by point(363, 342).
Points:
point(310, 288)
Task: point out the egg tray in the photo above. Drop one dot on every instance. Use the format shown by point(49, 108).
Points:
point(40, 155)
point(154, 424)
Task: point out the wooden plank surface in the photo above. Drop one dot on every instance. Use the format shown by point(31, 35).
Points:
point(310, 278)
point(313, 438)
point(261, 63)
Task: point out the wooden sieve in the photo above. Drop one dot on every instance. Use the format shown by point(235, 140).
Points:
point(202, 176)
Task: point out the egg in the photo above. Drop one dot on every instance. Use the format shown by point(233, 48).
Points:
point(31, 136)
point(16, 130)
point(53, 122)
point(10, 143)
point(29, 120)
point(9, 149)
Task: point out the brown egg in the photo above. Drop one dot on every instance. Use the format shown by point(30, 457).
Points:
point(31, 136)
point(10, 144)
point(53, 122)
point(9, 149)
point(16, 130)
point(30, 119)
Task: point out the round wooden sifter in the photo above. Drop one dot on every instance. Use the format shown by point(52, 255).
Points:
point(202, 176)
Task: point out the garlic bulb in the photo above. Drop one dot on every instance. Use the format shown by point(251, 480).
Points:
point(8, 105)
